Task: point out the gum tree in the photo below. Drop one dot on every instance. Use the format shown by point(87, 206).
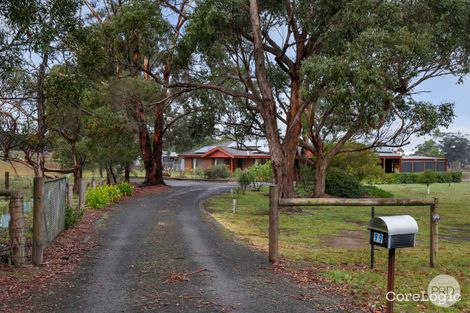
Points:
point(371, 59)
point(349, 68)
point(137, 40)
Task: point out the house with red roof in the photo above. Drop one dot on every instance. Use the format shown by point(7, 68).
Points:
point(209, 156)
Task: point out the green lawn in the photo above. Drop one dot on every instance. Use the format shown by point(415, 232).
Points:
point(336, 240)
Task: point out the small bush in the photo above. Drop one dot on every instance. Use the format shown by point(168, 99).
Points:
point(72, 217)
point(306, 177)
point(261, 173)
point(414, 178)
point(376, 192)
point(99, 197)
point(126, 189)
point(341, 184)
point(114, 192)
point(199, 172)
point(456, 177)
point(244, 179)
point(218, 171)
point(427, 178)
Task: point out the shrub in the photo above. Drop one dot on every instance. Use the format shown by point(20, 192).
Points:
point(114, 192)
point(244, 179)
point(125, 188)
point(260, 173)
point(413, 178)
point(72, 217)
point(376, 192)
point(199, 172)
point(217, 171)
point(99, 197)
point(427, 178)
point(341, 184)
point(456, 177)
point(306, 177)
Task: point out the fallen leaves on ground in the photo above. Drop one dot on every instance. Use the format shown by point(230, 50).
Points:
point(61, 257)
point(175, 277)
point(310, 275)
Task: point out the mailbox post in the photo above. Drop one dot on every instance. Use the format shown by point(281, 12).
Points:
point(392, 232)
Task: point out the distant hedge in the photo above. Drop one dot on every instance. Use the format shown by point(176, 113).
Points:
point(414, 178)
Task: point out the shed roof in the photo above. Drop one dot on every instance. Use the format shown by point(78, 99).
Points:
point(419, 157)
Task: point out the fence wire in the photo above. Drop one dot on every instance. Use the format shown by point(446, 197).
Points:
point(55, 192)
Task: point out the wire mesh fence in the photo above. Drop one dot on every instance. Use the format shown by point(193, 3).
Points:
point(55, 192)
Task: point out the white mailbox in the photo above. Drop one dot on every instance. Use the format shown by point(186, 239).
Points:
point(398, 231)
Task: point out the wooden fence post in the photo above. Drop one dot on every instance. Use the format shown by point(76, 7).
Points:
point(273, 223)
point(434, 233)
point(372, 249)
point(16, 229)
point(38, 221)
point(81, 195)
point(70, 195)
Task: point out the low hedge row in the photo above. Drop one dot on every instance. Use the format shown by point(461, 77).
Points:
point(100, 197)
point(414, 178)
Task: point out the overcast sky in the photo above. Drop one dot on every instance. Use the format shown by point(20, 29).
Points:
point(446, 89)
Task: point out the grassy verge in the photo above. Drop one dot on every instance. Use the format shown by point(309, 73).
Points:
point(337, 240)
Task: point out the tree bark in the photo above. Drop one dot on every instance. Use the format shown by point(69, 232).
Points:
point(127, 171)
point(148, 154)
point(282, 154)
point(108, 177)
point(158, 146)
point(76, 168)
point(321, 165)
point(113, 176)
point(16, 229)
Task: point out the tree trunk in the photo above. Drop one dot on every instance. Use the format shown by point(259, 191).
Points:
point(38, 193)
point(113, 176)
point(145, 145)
point(320, 177)
point(108, 177)
point(127, 172)
point(282, 153)
point(16, 229)
point(76, 180)
point(76, 168)
point(158, 146)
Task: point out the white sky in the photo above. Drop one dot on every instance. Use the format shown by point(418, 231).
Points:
point(446, 89)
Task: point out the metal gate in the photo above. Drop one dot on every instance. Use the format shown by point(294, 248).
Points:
point(55, 192)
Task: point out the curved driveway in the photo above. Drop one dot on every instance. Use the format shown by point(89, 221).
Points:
point(160, 253)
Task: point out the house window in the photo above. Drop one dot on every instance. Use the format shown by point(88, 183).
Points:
point(430, 166)
point(441, 166)
point(419, 166)
point(194, 162)
point(407, 167)
point(216, 162)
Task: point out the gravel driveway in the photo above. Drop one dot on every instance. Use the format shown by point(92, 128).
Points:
point(161, 253)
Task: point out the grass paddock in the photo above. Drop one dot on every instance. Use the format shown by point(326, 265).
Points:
point(336, 239)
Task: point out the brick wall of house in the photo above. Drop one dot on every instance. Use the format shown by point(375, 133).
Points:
point(205, 163)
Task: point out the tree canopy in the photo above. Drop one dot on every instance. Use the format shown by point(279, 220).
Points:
point(327, 76)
